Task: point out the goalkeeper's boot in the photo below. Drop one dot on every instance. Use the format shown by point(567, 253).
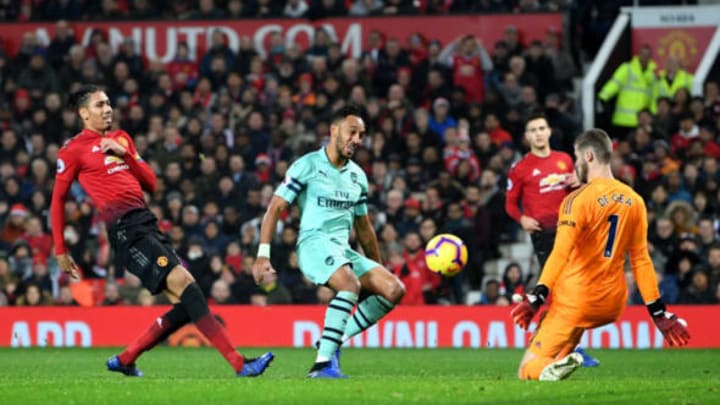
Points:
point(325, 369)
point(562, 368)
point(113, 364)
point(588, 360)
point(335, 359)
point(256, 366)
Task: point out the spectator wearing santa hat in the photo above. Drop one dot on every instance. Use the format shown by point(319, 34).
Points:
point(15, 226)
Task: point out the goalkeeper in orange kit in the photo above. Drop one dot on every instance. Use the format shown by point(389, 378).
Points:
point(599, 224)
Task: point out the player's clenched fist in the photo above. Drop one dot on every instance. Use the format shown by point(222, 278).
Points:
point(262, 270)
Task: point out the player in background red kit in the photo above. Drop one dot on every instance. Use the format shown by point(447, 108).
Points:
point(112, 172)
point(537, 185)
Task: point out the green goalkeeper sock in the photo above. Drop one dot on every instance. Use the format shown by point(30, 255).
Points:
point(367, 314)
point(336, 318)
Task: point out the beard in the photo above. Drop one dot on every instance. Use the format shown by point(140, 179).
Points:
point(582, 171)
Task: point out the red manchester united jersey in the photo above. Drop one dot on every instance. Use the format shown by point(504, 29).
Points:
point(107, 178)
point(538, 185)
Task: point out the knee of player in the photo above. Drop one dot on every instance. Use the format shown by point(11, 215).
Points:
point(396, 291)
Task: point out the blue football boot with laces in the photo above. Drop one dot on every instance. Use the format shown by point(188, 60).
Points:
point(255, 367)
point(326, 370)
point(113, 364)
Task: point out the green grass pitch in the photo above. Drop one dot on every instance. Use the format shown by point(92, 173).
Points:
point(200, 376)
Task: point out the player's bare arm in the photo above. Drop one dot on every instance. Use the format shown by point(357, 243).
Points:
point(367, 238)
point(262, 267)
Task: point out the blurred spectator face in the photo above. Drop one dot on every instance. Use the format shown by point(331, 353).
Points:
point(208, 166)
point(177, 234)
point(492, 290)
point(225, 185)
point(706, 230)
point(112, 293)
point(700, 201)
point(216, 264)
point(435, 79)
point(33, 227)
point(247, 263)
point(528, 96)
point(700, 281)
point(173, 172)
point(664, 228)
point(454, 212)
point(388, 233)
point(714, 258)
point(62, 29)
point(413, 243)
point(9, 140)
point(468, 46)
point(211, 211)
point(207, 6)
point(492, 122)
point(392, 47)
point(396, 93)
point(255, 122)
point(394, 200)
point(517, 66)
point(254, 198)
point(190, 215)
point(32, 295)
point(488, 180)
point(472, 194)
point(65, 296)
point(121, 72)
point(218, 39)
point(211, 230)
point(37, 62)
point(644, 54)
point(513, 273)
point(220, 291)
point(53, 102)
point(510, 36)
point(710, 166)
point(427, 229)
point(237, 163)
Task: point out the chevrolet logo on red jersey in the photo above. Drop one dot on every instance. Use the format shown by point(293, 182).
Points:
point(552, 182)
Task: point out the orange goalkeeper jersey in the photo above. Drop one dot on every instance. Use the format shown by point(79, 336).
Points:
point(599, 225)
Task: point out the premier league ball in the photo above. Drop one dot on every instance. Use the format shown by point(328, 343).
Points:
point(446, 254)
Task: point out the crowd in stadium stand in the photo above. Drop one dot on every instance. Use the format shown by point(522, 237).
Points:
point(220, 134)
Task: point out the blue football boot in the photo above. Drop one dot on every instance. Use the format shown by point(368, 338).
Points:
point(326, 370)
point(255, 367)
point(113, 364)
point(588, 360)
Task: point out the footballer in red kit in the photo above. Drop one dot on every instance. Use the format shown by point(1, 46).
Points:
point(110, 170)
point(113, 182)
point(536, 186)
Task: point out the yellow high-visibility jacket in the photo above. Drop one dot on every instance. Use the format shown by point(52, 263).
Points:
point(634, 88)
point(682, 78)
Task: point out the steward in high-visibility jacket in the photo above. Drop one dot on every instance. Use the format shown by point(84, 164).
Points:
point(670, 80)
point(633, 82)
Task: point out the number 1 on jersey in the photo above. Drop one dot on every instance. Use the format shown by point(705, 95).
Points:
point(613, 219)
